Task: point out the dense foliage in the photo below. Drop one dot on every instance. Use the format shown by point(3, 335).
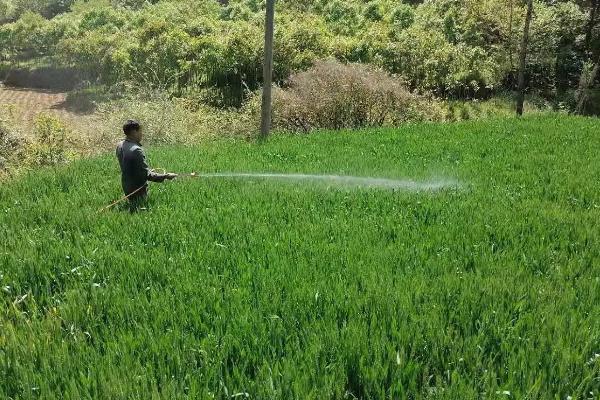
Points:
point(272, 290)
point(455, 48)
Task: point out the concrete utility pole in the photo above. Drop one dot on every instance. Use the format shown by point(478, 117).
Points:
point(265, 127)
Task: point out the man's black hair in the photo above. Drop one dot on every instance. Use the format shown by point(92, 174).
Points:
point(131, 126)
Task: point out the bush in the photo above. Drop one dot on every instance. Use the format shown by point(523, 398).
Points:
point(50, 146)
point(10, 148)
point(342, 17)
point(299, 43)
point(337, 96)
point(403, 16)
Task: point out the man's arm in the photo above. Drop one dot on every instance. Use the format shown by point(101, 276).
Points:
point(149, 174)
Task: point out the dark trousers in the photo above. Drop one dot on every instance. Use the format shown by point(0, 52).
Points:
point(138, 201)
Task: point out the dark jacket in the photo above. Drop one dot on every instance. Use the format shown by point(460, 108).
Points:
point(135, 172)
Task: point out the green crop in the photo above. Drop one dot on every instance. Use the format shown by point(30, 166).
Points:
point(250, 288)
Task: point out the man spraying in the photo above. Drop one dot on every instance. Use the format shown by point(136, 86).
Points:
point(135, 172)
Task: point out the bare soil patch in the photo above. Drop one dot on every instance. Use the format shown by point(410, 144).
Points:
point(25, 104)
point(29, 103)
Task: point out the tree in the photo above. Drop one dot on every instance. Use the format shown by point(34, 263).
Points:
point(268, 69)
point(523, 59)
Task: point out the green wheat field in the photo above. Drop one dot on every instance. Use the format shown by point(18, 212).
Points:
point(271, 289)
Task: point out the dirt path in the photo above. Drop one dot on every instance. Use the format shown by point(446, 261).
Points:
point(28, 103)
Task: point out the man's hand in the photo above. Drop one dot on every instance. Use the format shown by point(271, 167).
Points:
point(170, 177)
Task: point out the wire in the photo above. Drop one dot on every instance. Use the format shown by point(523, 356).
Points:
point(122, 199)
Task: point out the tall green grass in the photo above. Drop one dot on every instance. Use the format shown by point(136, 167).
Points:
point(500, 106)
point(271, 290)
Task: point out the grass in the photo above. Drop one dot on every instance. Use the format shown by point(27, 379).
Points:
point(500, 106)
point(262, 289)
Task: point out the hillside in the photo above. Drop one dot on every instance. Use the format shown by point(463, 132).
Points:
point(267, 288)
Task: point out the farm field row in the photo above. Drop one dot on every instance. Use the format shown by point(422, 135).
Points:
point(267, 288)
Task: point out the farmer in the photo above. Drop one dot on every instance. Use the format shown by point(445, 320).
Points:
point(135, 172)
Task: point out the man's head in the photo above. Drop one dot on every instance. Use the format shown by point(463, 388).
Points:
point(133, 130)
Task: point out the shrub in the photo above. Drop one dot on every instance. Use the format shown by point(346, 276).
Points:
point(403, 16)
point(50, 146)
point(299, 43)
point(10, 148)
point(342, 17)
point(337, 96)
point(373, 12)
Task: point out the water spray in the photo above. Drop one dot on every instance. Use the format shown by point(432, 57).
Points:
point(338, 180)
point(341, 180)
